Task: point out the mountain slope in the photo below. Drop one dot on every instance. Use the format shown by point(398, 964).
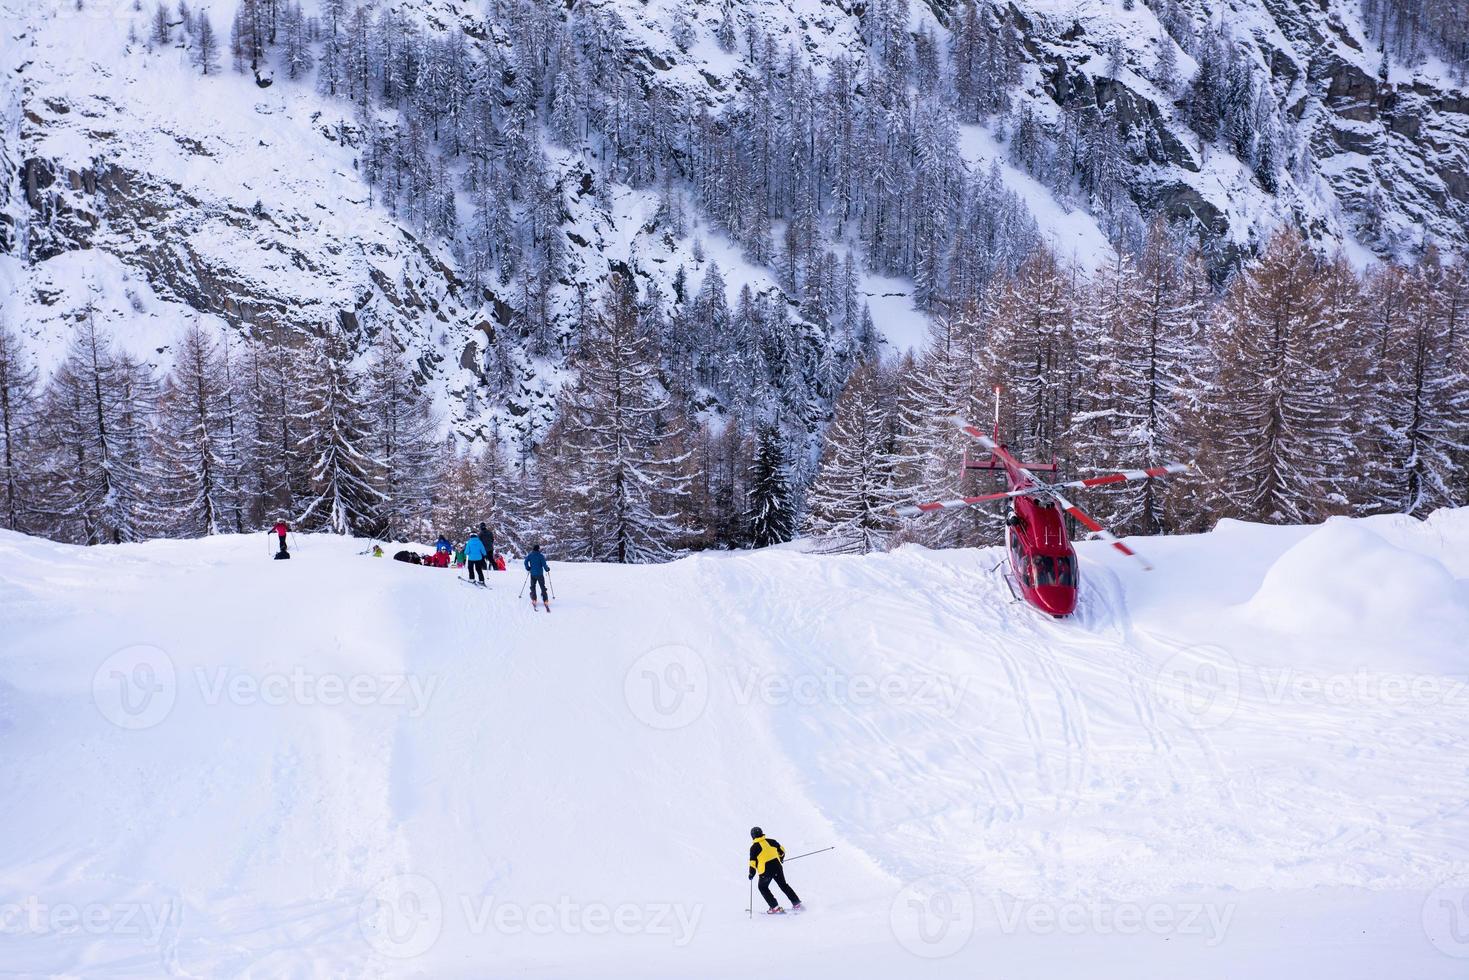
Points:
point(155, 195)
point(346, 765)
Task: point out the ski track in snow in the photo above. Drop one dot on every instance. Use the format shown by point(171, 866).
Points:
point(1026, 758)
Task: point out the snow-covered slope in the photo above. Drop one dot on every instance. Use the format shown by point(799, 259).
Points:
point(1250, 762)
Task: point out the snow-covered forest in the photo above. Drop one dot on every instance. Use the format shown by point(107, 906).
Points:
point(1303, 391)
point(1311, 362)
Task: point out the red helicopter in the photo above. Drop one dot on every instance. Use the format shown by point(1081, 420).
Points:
point(1043, 566)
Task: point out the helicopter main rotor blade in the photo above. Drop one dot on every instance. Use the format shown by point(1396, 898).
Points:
point(1098, 530)
point(918, 510)
point(989, 443)
point(1126, 475)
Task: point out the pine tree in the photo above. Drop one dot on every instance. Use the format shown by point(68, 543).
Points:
point(624, 455)
point(771, 517)
point(938, 387)
point(726, 33)
point(850, 504)
point(1165, 69)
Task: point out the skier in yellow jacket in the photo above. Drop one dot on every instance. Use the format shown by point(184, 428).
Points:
point(766, 856)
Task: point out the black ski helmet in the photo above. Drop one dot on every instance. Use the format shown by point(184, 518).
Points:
point(756, 832)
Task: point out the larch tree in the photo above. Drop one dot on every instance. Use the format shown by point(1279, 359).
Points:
point(1423, 394)
point(193, 442)
point(95, 430)
point(206, 45)
point(1140, 372)
point(19, 419)
point(1280, 447)
point(401, 429)
point(621, 449)
point(345, 498)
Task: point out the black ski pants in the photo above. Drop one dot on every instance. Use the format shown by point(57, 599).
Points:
point(774, 872)
point(541, 581)
point(477, 568)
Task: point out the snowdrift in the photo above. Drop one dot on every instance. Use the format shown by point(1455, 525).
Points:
point(1248, 762)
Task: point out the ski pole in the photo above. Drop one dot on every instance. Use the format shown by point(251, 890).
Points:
point(550, 584)
point(808, 854)
point(751, 910)
point(523, 585)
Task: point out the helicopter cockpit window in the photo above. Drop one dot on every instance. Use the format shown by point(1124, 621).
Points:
point(1065, 572)
point(1045, 570)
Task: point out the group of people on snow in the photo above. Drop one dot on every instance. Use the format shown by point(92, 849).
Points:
point(478, 551)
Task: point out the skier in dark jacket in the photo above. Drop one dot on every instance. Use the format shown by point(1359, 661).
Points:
point(487, 538)
point(766, 857)
point(536, 564)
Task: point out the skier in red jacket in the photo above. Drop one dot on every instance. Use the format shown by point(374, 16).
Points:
point(280, 530)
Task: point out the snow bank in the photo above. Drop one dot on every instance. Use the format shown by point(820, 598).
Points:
point(1345, 580)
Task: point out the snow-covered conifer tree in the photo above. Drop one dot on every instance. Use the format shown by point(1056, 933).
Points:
point(621, 447)
point(850, 504)
point(19, 418)
point(345, 498)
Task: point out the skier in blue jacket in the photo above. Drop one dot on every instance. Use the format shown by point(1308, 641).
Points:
point(536, 564)
point(474, 554)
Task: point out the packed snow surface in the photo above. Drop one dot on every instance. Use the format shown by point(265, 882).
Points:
point(1249, 762)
